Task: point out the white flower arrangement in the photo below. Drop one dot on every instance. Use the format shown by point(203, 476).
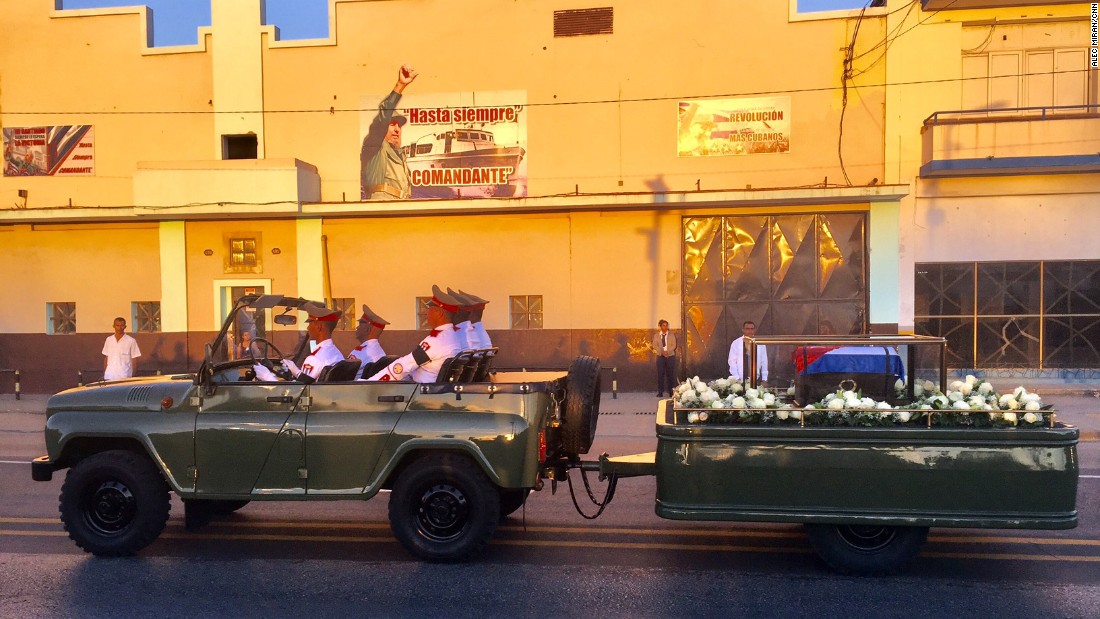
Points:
point(969, 403)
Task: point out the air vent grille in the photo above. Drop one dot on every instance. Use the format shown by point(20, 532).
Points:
point(138, 395)
point(581, 22)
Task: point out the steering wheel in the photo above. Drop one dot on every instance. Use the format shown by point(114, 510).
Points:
point(276, 368)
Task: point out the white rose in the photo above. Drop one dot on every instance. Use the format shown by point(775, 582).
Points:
point(1003, 401)
point(757, 403)
point(1013, 405)
point(971, 379)
point(942, 400)
point(986, 407)
point(790, 390)
point(851, 403)
point(689, 395)
point(836, 404)
point(961, 405)
point(1031, 397)
point(810, 407)
point(1009, 417)
point(796, 414)
point(708, 396)
point(781, 414)
point(703, 415)
point(926, 407)
point(985, 388)
point(918, 390)
point(738, 402)
point(831, 396)
point(899, 385)
point(1031, 417)
point(903, 416)
point(693, 417)
point(975, 401)
point(866, 403)
point(751, 393)
point(1032, 406)
point(736, 386)
point(966, 388)
point(1018, 390)
point(995, 416)
point(929, 386)
point(769, 399)
point(884, 405)
point(718, 404)
point(954, 396)
point(848, 395)
point(884, 414)
point(955, 385)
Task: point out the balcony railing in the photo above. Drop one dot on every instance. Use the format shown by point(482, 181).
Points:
point(1025, 140)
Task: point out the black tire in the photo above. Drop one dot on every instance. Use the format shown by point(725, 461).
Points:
point(867, 550)
point(582, 405)
point(114, 503)
point(444, 508)
point(512, 499)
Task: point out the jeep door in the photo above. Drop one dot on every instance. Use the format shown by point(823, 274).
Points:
point(346, 429)
point(250, 438)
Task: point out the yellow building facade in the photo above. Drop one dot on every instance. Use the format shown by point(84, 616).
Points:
point(703, 162)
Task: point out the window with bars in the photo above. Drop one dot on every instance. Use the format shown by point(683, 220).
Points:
point(61, 318)
point(1012, 314)
point(422, 312)
point(242, 252)
point(526, 311)
point(346, 307)
point(145, 316)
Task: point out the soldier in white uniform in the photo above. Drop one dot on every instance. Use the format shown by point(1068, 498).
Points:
point(462, 320)
point(422, 365)
point(320, 325)
point(476, 334)
point(370, 327)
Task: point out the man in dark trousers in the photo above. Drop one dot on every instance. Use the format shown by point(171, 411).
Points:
point(664, 344)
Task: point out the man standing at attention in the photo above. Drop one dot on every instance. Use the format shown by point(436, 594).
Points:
point(739, 353)
point(120, 353)
point(664, 344)
point(384, 170)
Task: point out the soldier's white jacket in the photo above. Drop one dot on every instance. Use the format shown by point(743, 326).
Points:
point(423, 364)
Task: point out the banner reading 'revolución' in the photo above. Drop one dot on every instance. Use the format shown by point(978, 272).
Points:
point(744, 126)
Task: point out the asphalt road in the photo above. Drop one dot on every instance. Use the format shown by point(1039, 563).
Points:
point(339, 558)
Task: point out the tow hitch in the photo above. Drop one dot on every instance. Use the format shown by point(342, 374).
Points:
point(609, 469)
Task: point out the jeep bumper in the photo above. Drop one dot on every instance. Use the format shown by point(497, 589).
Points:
point(42, 469)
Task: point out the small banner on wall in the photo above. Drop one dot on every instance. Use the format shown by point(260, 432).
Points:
point(747, 126)
point(64, 150)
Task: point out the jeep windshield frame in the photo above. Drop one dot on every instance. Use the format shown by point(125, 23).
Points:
point(217, 350)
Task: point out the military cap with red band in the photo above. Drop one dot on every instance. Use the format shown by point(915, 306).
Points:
point(374, 319)
point(473, 302)
point(444, 300)
point(333, 317)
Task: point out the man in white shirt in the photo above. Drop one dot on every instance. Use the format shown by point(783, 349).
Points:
point(120, 352)
point(739, 352)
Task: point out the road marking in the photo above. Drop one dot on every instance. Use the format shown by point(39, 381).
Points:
point(587, 544)
point(1089, 476)
point(15, 461)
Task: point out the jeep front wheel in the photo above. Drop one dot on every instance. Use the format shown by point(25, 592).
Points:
point(444, 508)
point(114, 503)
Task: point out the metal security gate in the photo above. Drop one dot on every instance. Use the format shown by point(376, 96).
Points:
point(790, 274)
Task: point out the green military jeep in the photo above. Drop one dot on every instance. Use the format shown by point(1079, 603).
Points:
point(458, 454)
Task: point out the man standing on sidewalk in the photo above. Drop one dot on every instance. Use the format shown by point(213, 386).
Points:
point(664, 344)
point(120, 352)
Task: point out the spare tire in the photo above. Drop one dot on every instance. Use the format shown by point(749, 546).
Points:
point(582, 405)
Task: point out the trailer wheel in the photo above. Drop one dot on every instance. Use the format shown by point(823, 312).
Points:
point(866, 550)
point(444, 508)
point(512, 499)
point(114, 503)
point(582, 405)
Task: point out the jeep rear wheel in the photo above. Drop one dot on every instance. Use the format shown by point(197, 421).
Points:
point(582, 405)
point(114, 503)
point(444, 508)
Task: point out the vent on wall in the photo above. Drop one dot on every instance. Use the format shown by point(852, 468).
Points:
point(584, 21)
